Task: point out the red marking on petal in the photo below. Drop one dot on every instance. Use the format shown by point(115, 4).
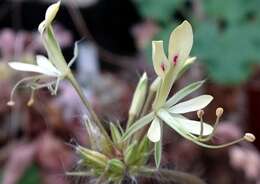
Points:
point(162, 66)
point(175, 59)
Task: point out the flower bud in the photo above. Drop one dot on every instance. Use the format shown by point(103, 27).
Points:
point(130, 153)
point(139, 96)
point(51, 13)
point(93, 158)
point(156, 83)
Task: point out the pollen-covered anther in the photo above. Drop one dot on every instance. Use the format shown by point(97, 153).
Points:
point(175, 59)
point(219, 112)
point(249, 137)
point(200, 114)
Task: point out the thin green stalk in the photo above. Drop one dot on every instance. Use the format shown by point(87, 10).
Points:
point(95, 118)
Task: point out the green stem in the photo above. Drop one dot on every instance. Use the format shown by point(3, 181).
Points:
point(95, 118)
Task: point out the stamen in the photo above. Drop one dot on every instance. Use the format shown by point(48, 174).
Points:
point(11, 101)
point(221, 145)
point(249, 137)
point(31, 101)
point(175, 59)
point(195, 139)
point(200, 114)
point(219, 113)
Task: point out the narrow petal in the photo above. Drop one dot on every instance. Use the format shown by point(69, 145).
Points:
point(154, 132)
point(180, 123)
point(180, 42)
point(44, 63)
point(192, 126)
point(29, 68)
point(183, 93)
point(160, 61)
point(191, 105)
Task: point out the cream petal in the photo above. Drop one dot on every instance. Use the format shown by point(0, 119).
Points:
point(160, 61)
point(51, 13)
point(183, 93)
point(180, 123)
point(180, 42)
point(44, 63)
point(154, 132)
point(194, 127)
point(194, 104)
point(30, 68)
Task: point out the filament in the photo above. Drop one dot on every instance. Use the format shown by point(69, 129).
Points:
point(11, 101)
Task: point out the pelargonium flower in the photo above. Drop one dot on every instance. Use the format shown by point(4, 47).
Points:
point(53, 67)
point(45, 70)
point(173, 118)
point(170, 112)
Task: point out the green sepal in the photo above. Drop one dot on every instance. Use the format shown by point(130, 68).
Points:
point(138, 125)
point(115, 133)
point(158, 153)
point(92, 158)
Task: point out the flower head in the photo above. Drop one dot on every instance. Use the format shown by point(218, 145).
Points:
point(45, 70)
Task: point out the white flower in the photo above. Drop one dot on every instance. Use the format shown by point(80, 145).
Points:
point(173, 118)
point(45, 69)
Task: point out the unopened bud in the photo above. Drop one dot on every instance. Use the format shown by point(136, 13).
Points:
point(156, 83)
point(200, 114)
point(94, 158)
point(249, 137)
point(51, 13)
point(139, 95)
point(219, 112)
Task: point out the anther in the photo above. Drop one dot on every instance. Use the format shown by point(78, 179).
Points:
point(219, 112)
point(200, 114)
point(249, 137)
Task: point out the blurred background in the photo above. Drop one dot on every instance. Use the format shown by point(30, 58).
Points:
point(115, 48)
